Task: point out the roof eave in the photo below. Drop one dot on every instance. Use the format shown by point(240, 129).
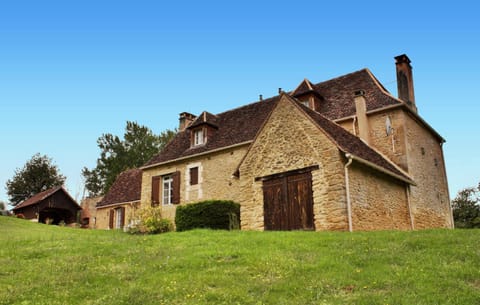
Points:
point(379, 168)
point(196, 155)
point(116, 204)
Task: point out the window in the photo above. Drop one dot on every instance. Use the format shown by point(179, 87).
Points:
point(118, 218)
point(198, 138)
point(193, 175)
point(306, 103)
point(167, 193)
point(166, 189)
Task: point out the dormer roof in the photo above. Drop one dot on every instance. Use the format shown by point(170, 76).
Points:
point(204, 118)
point(305, 87)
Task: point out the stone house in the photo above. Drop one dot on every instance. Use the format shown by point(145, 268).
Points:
point(118, 205)
point(343, 154)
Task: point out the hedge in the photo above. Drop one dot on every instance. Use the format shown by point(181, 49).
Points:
point(211, 214)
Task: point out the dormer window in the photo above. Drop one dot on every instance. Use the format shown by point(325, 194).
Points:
point(202, 128)
point(198, 137)
point(307, 94)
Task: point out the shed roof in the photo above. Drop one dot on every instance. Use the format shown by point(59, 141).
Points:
point(42, 196)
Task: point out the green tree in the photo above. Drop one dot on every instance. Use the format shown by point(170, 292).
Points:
point(139, 144)
point(466, 208)
point(37, 175)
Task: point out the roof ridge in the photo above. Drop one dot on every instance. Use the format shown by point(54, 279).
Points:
point(41, 196)
point(341, 76)
point(382, 88)
point(266, 100)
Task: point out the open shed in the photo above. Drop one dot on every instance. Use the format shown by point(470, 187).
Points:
point(51, 206)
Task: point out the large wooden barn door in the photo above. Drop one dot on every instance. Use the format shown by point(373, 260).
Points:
point(288, 202)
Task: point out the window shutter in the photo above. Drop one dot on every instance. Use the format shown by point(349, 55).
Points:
point(110, 222)
point(156, 190)
point(122, 215)
point(176, 187)
point(193, 175)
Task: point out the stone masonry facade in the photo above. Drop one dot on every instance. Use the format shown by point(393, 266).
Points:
point(366, 158)
point(216, 180)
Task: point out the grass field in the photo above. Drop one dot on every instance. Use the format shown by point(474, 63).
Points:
point(42, 264)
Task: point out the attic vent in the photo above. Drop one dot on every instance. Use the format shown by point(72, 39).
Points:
point(359, 93)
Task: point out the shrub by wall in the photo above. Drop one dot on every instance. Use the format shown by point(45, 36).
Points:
point(211, 214)
point(148, 220)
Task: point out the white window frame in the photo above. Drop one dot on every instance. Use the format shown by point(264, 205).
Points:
point(167, 189)
point(198, 137)
point(118, 218)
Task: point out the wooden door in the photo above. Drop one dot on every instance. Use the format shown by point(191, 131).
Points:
point(288, 202)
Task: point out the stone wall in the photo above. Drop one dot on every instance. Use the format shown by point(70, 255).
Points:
point(429, 198)
point(215, 178)
point(103, 214)
point(90, 205)
point(391, 144)
point(411, 146)
point(378, 201)
point(290, 141)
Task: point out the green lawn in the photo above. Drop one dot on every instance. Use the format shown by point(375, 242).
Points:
point(42, 264)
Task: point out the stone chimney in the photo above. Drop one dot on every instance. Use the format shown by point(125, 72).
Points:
point(185, 120)
point(361, 112)
point(405, 81)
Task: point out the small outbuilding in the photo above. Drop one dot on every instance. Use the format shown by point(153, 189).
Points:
point(52, 206)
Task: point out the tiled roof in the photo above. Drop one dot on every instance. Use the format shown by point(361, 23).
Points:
point(235, 126)
point(242, 124)
point(41, 196)
point(126, 188)
point(339, 92)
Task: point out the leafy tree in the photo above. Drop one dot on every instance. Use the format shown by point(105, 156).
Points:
point(138, 145)
point(466, 208)
point(38, 174)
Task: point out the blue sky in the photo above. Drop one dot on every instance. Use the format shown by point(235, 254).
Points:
point(72, 70)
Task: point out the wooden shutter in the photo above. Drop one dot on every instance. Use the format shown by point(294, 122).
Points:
point(194, 176)
point(156, 190)
point(122, 215)
point(176, 187)
point(110, 221)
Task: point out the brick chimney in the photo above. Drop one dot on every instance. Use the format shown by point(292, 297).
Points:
point(185, 120)
point(361, 112)
point(405, 81)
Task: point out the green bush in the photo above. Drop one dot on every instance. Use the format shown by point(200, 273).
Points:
point(211, 214)
point(148, 220)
